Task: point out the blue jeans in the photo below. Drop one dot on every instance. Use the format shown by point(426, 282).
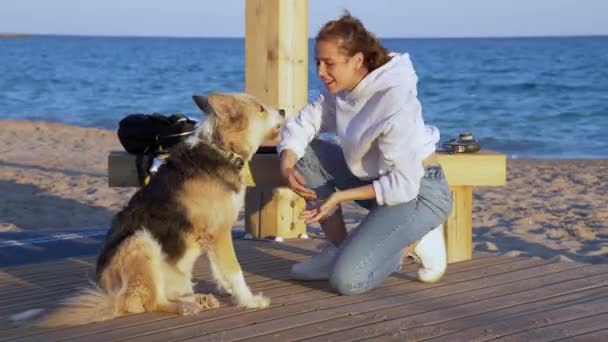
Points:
point(374, 249)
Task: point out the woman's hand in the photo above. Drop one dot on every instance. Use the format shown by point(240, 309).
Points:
point(321, 210)
point(296, 182)
point(292, 177)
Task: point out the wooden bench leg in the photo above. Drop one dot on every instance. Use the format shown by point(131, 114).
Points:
point(459, 226)
point(274, 212)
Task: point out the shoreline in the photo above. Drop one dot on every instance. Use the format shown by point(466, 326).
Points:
point(53, 176)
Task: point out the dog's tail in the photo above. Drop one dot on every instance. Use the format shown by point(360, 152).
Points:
point(91, 305)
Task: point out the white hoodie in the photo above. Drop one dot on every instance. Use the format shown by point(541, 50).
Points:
point(379, 127)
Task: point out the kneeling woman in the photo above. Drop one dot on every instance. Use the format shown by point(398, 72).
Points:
point(384, 161)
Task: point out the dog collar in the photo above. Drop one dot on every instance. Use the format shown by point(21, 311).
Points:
point(234, 159)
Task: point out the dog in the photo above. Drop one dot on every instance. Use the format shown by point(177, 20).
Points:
point(187, 210)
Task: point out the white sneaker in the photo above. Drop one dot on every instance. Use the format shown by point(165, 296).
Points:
point(318, 266)
point(431, 252)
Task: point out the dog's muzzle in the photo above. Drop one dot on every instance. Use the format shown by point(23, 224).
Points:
point(282, 113)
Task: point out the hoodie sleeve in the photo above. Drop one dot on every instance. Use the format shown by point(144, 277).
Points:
point(404, 144)
point(314, 118)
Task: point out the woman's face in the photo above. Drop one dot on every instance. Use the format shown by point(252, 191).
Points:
point(337, 70)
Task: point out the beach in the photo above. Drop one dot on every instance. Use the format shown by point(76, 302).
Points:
point(54, 177)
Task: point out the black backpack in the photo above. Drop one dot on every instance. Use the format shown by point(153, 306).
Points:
point(153, 133)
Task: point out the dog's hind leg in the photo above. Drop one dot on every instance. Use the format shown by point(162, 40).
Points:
point(151, 293)
point(222, 254)
point(141, 263)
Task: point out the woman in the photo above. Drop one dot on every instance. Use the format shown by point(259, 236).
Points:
point(384, 161)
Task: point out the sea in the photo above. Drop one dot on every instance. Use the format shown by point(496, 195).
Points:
point(544, 98)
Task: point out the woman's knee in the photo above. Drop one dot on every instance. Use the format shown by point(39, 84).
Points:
point(352, 274)
point(347, 282)
point(345, 287)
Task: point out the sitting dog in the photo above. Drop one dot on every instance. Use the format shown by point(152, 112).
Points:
point(188, 209)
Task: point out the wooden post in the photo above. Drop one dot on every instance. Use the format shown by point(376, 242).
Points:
point(463, 172)
point(276, 53)
point(459, 226)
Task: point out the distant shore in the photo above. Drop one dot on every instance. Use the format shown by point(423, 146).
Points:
point(100, 35)
point(53, 176)
point(14, 35)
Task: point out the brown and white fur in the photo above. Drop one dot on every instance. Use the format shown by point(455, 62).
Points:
point(188, 209)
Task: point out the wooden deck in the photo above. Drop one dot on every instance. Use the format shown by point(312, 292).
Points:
point(489, 297)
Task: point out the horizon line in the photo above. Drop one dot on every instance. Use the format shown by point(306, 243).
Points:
point(9, 35)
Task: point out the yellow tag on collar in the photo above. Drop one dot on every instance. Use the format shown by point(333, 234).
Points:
point(247, 177)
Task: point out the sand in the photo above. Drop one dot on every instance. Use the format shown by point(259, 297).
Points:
point(53, 176)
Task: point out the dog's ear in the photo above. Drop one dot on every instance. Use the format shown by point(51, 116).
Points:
point(223, 105)
point(203, 103)
point(228, 109)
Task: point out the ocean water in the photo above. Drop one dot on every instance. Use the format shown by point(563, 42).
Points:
point(526, 97)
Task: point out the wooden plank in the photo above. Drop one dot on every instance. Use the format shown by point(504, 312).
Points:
point(476, 169)
point(432, 312)
point(66, 277)
point(34, 334)
point(483, 168)
point(274, 257)
point(26, 300)
point(312, 307)
point(122, 170)
point(35, 283)
point(548, 326)
point(173, 324)
point(479, 327)
point(364, 313)
point(114, 325)
point(458, 228)
point(49, 266)
point(484, 259)
point(247, 251)
point(66, 280)
point(598, 335)
point(117, 328)
point(272, 249)
point(270, 274)
point(260, 269)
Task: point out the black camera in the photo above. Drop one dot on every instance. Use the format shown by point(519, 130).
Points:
point(464, 144)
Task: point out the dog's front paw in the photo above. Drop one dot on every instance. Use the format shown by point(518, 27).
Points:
point(255, 302)
point(188, 308)
point(207, 301)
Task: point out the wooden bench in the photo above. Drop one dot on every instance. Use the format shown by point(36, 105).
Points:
point(272, 210)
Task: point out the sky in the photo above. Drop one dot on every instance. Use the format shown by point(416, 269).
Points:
point(386, 18)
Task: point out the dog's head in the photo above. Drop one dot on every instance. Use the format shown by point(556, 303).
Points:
point(238, 122)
